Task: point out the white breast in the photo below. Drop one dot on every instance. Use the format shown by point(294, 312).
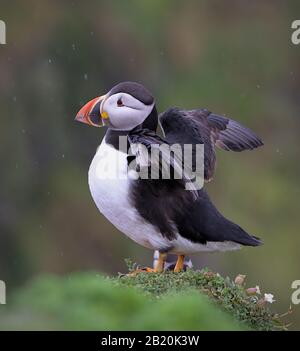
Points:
point(109, 185)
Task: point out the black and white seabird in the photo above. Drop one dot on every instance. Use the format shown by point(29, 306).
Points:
point(161, 214)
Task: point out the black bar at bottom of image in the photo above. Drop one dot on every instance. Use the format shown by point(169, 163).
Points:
point(131, 340)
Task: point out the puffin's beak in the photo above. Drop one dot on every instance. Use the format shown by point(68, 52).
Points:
point(90, 113)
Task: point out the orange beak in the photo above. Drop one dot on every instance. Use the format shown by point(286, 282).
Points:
point(90, 113)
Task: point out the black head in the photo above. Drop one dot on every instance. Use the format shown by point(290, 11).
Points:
point(134, 89)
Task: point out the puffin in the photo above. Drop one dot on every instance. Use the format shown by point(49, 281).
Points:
point(169, 215)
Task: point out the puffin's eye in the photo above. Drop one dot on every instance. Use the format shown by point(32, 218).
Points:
point(120, 103)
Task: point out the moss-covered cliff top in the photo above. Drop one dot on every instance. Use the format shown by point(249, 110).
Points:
point(192, 300)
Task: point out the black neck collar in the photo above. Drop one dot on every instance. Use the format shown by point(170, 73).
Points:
point(151, 121)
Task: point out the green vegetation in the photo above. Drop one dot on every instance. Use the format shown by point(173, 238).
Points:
point(169, 301)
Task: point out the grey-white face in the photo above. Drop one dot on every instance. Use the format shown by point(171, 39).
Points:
point(122, 111)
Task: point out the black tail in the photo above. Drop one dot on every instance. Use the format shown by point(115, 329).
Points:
point(234, 232)
point(211, 225)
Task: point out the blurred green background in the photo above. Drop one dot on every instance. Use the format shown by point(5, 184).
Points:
point(234, 58)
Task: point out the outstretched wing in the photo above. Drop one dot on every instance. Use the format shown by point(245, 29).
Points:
point(203, 127)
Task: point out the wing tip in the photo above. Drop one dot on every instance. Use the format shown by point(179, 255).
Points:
point(238, 145)
point(251, 140)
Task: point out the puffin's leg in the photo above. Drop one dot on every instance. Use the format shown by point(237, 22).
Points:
point(179, 264)
point(160, 265)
